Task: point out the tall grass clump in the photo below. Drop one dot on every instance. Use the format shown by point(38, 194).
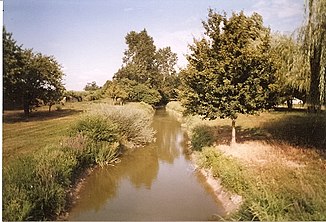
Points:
point(35, 186)
point(133, 124)
point(270, 192)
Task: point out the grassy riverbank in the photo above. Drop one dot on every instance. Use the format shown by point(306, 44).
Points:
point(278, 165)
point(45, 154)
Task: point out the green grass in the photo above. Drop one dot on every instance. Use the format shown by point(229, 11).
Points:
point(271, 192)
point(23, 136)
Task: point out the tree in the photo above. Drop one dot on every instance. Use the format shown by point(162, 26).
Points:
point(139, 60)
point(144, 64)
point(292, 68)
point(29, 76)
point(166, 60)
point(91, 86)
point(230, 70)
point(314, 34)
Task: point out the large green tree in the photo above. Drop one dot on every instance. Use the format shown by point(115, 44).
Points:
point(230, 70)
point(314, 33)
point(148, 67)
point(139, 60)
point(28, 76)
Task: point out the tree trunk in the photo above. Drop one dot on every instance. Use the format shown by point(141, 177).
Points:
point(290, 104)
point(314, 91)
point(26, 109)
point(233, 141)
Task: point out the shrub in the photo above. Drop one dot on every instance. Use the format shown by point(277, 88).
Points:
point(202, 136)
point(97, 128)
point(106, 153)
point(142, 93)
point(134, 125)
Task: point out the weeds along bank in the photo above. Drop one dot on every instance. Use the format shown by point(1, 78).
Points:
point(35, 187)
point(276, 179)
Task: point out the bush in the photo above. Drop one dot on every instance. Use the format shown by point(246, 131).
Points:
point(202, 136)
point(97, 128)
point(134, 125)
point(142, 93)
point(106, 153)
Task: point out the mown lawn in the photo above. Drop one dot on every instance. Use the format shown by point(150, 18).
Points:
point(25, 135)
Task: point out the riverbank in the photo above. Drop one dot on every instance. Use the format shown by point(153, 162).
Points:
point(41, 184)
point(277, 166)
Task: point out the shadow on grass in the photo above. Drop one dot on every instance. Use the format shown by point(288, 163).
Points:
point(223, 135)
point(305, 130)
point(18, 116)
point(300, 130)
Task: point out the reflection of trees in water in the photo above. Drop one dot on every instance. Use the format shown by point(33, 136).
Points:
point(169, 138)
point(100, 186)
point(140, 166)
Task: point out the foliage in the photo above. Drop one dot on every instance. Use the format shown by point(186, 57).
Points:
point(202, 136)
point(230, 71)
point(75, 95)
point(142, 93)
point(97, 128)
point(93, 95)
point(314, 39)
point(91, 86)
point(35, 186)
point(292, 67)
point(29, 76)
point(118, 89)
point(139, 59)
point(134, 125)
point(143, 65)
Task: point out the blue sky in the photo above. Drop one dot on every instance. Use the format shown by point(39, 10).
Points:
point(87, 37)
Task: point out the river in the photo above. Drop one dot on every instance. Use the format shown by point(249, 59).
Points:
point(155, 182)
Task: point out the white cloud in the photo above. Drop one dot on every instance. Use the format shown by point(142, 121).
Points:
point(282, 15)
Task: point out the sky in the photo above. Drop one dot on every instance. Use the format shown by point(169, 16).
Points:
point(87, 37)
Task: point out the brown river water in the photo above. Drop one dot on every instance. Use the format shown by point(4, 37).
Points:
point(155, 182)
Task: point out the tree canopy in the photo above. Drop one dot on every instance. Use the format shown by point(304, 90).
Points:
point(28, 76)
point(230, 70)
point(154, 70)
point(292, 68)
